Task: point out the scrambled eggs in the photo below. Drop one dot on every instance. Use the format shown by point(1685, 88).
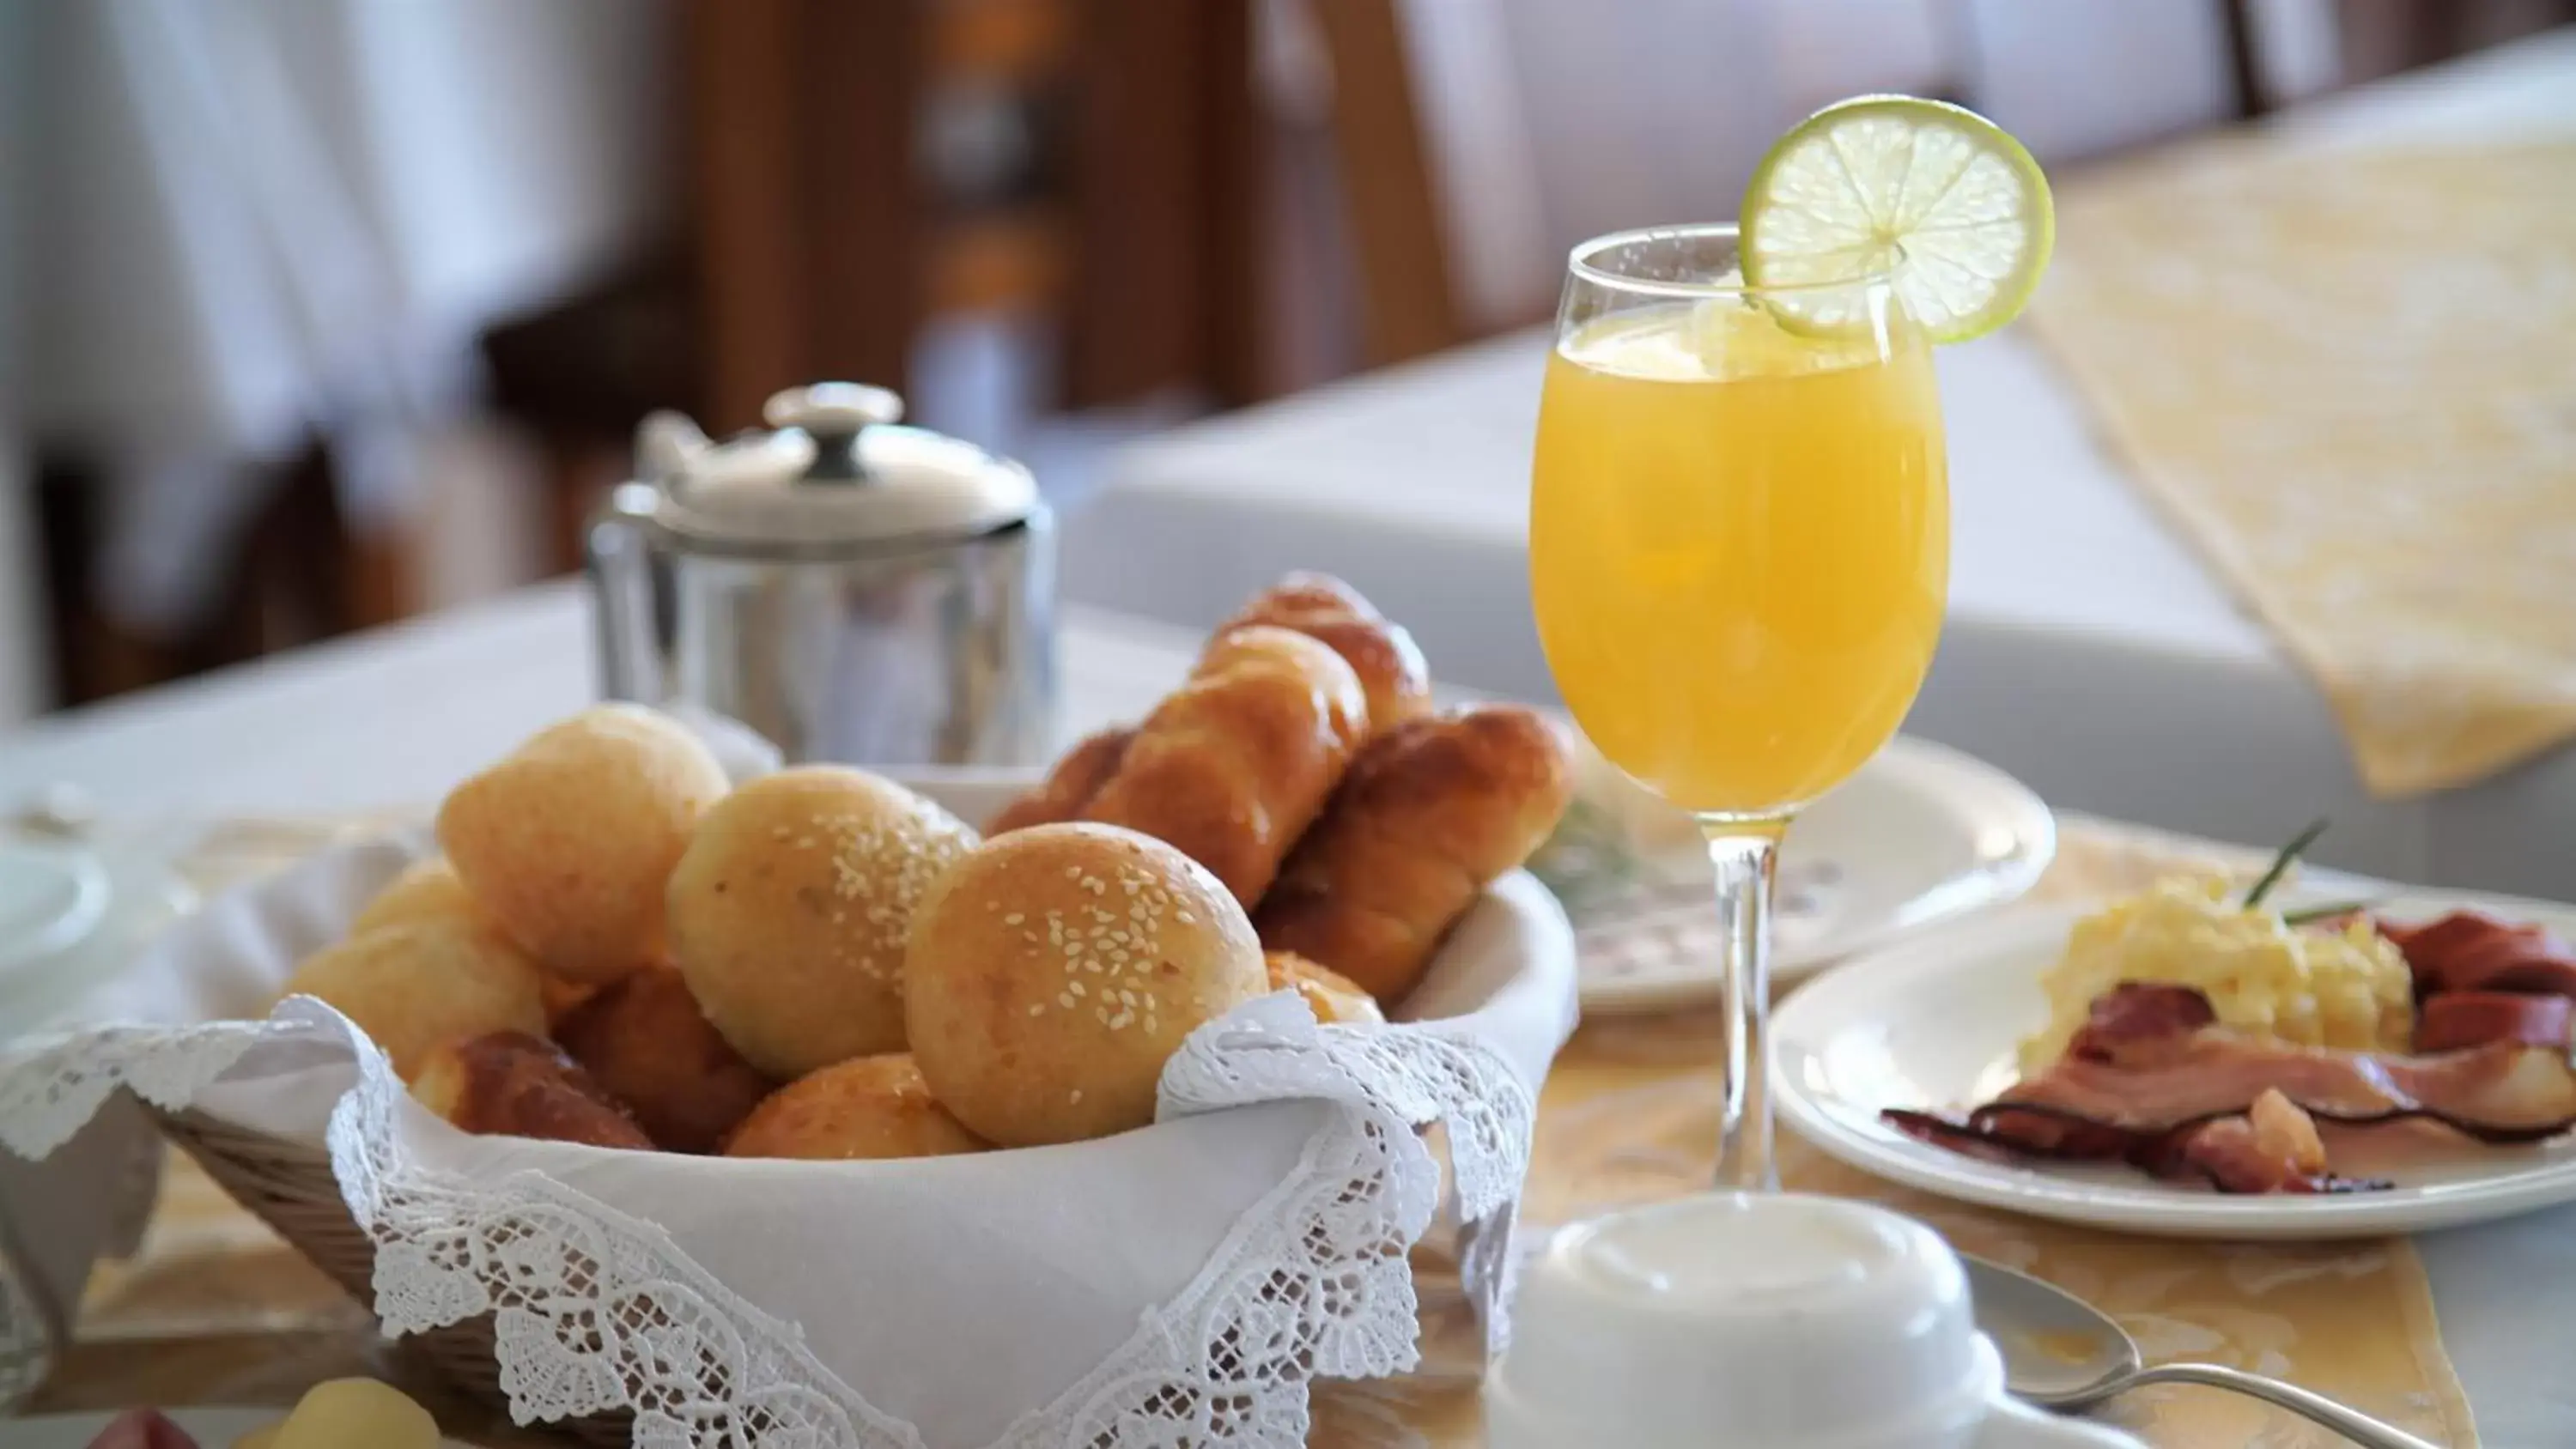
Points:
point(2341, 987)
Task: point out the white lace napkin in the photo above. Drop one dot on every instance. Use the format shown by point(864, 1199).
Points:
point(1173, 1286)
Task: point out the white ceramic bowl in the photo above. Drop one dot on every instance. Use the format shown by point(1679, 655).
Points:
point(1753, 1321)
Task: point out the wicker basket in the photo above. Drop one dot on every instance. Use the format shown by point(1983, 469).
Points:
point(289, 1186)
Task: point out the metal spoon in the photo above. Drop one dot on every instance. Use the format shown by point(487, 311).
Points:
point(2063, 1353)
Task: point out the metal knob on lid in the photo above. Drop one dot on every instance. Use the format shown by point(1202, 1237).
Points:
point(832, 414)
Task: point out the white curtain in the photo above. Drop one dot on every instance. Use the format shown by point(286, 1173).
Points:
point(249, 221)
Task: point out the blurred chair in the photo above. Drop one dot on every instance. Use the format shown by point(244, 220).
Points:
point(859, 169)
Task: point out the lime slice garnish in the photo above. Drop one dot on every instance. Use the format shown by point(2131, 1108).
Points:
point(1934, 195)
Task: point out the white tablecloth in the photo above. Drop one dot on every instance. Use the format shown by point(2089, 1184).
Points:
point(2086, 651)
point(393, 717)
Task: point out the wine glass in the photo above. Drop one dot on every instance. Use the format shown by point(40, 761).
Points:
point(1739, 553)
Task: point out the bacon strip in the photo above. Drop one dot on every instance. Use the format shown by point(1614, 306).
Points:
point(2472, 951)
point(2153, 1081)
point(2457, 1020)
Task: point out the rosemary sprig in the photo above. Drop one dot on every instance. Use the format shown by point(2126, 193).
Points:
point(2314, 914)
point(2281, 863)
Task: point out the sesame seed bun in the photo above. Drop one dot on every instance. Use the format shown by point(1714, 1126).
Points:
point(791, 906)
point(1053, 971)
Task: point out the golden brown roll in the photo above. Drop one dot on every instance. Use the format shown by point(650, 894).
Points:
point(644, 1040)
point(1056, 969)
point(790, 909)
point(511, 1084)
point(568, 841)
point(1336, 999)
point(870, 1107)
point(430, 889)
point(425, 889)
point(1430, 813)
point(1070, 785)
point(415, 987)
point(1390, 668)
point(1234, 766)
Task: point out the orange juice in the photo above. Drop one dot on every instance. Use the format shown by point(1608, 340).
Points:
point(1739, 547)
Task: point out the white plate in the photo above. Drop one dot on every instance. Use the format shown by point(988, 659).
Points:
point(211, 1428)
point(71, 916)
point(1922, 834)
point(1933, 1024)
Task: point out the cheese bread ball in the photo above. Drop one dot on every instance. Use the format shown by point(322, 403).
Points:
point(1055, 970)
point(413, 988)
point(569, 841)
point(869, 1107)
point(1335, 999)
point(426, 889)
point(790, 909)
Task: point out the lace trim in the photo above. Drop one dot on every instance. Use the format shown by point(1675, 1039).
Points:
point(596, 1311)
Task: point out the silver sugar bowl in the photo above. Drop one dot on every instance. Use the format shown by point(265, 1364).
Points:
point(853, 589)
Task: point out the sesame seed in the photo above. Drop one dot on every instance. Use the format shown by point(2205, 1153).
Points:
point(1037, 1008)
point(1073, 872)
point(1151, 1029)
point(1065, 1000)
point(1185, 918)
point(1077, 989)
point(1075, 1097)
point(1014, 918)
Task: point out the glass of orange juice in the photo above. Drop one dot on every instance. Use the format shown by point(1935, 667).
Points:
point(1739, 553)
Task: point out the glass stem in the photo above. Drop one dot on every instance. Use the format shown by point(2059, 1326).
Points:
point(1745, 852)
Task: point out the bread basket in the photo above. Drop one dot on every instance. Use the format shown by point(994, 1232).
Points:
point(1174, 1286)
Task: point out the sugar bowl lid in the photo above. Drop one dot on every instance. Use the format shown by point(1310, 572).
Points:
point(839, 472)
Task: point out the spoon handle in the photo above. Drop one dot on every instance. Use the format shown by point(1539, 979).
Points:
point(2360, 1428)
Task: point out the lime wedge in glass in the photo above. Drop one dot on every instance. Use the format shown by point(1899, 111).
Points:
point(1934, 195)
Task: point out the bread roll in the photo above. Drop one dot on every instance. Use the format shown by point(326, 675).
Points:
point(414, 987)
point(425, 889)
point(1335, 999)
point(790, 909)
point(646, 1042)
point(511, 1084)
point(871, 1107)
point(1430, 813)
point(1390, 668)
point(431, 890)
point(1069, 786)
point(1234, 766)
point(567, 842)
point(1056, 969)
